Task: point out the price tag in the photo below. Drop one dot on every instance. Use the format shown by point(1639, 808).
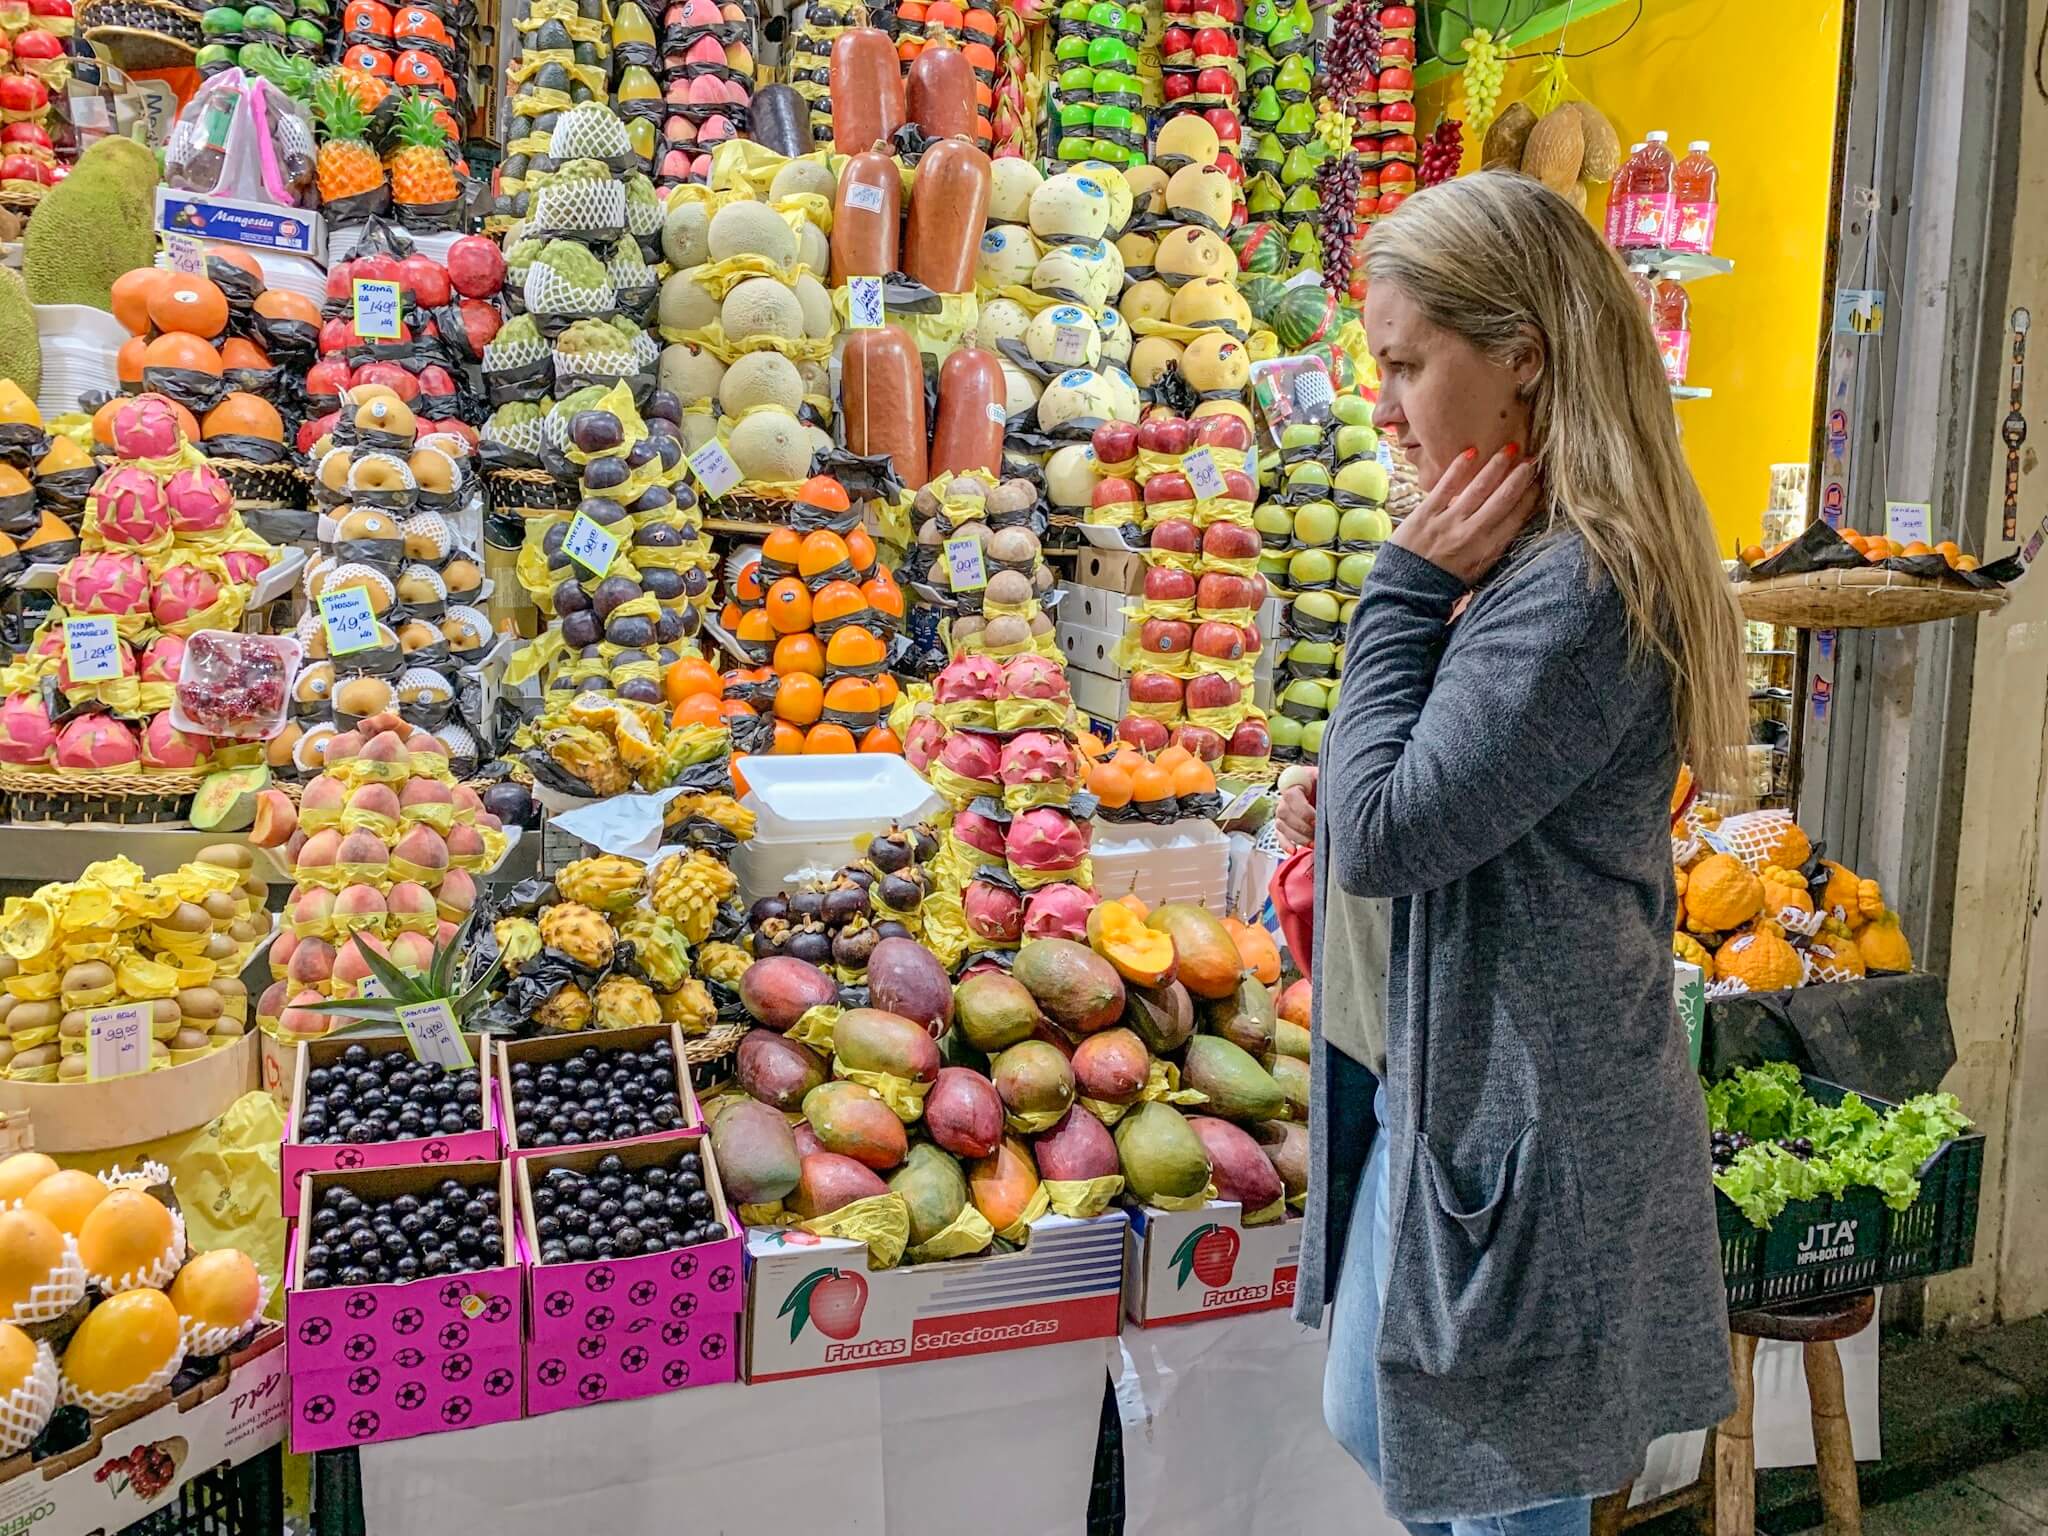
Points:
point(117, 1041)
point(863, 303)
point(1069, 345)
point(1385, 454)
point(92, 649)
point(1907, 521)
point(187, 255)
point(714, 469)
point(1204, 478)
point(965, 565)
point(1251, 462)
point(866, 198)
point(430, 1027)
point(997, 412)
point(590, 545)
point(351, 624)
point(378, 306)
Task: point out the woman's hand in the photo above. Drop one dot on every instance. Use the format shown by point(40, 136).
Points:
point(1468, 521)
point(1296, 817)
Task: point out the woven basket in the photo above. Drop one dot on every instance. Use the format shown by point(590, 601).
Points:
point(127, 799)
point(264, 487)
point(21, 197)
point(712, 1056)
point(528, 490)
point(1861, 598)
point(143, 34)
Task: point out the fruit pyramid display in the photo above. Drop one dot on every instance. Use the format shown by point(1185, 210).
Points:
point(164, 554)
point(704, 93)
point(421, 48)
point(176, 943)
point(835, 923)
point(563, 64)
point(1280, 118)
point(37, 69)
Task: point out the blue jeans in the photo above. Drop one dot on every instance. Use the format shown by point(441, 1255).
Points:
point(1350, 1397)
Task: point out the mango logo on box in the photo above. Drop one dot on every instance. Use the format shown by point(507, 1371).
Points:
point(831, 1300)
point(1209, 1253)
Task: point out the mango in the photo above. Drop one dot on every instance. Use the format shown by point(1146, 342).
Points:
point(1237, 1087)
point(1206, 959)
point(828, 1181)
point(1003, 1183)
point(1292, 1076)
point(993, 1011)
point(781, 989)
point(934, 1188)
point(854, 1122)
point(807, 1143)
point(1159, 1154)
point(1237, 1167)
point(1078, 989)
point(1111, 1066)
point(963, 1113)
point(1079, 1147)
point(756, 1153)
point(776, 1070)
point(1033, 1078)
point(1285, 1144)
point(1164, 1017)
point(1245, 1018)
point(1291, 1040)
point(870, 1040)
point(904, 977)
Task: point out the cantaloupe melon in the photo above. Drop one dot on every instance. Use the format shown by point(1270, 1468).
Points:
point(689, 373)
point(699, 427)
point(771, 445)
point(803, 178)
point(761, 306)
point(816, 304)
point(761, 378)
point(685, 304)
point(751, 229)
point(813, 249)
point(685, 235)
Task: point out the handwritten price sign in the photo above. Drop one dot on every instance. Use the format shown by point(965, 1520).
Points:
point(590, 545)
point(117, 1041)
point(378, 305)
point(714, 469)
point(965, 565)
point(351, 624)
point(92, 649)
point(430, 1027)
point(863, 303)
point(1204, 478)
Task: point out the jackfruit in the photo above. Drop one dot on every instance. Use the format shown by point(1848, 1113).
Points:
point(21, 354)
point(94, 225)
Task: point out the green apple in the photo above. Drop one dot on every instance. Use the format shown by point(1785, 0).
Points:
point(1317, 608)
point(1311, 658)
point(1353, 569)
point(1273, 521)
point(1285, 731)
point(1312, 739)
point(1307, 472)
point(1312, 568)
point(1364, 478)
point(1299, 434)
point(1304, 699)
point(1315, 523)
point(1356, 442)
point(1352, 410)
point(1364, 525)
point(1273, 566)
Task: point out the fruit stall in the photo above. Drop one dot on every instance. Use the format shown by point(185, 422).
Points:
point(645, 662)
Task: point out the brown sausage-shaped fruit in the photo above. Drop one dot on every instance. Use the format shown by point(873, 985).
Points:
point(969, 431)
point(867, 89)
point(867, 215)
point(881, 386)
point(948, 215)
point(938, 92)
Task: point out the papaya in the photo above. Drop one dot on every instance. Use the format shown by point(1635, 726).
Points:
point(1079, 1147)
point(1237, 1167)
point(934, 1188)
point(1159, 1154)
point(1033, 1078)
point(906, 978)
point(1255, 947)
point(1111, 1066)
point(870, 1040)
point(1245, 1018)
point(1003, 1183)
point(756, 1154)
point(1143, 956)
point(1205, 957)
point(1236, 1086)
point(1298, 1002)
point(781, 989)
point(1164, 1017)
point(827, 1181)
point(1286, 1147)
point(1292, 1076)
point(226, 800)
point(854, 1122)
point(992, 1011)
point(1077, 989)
point(776, 1070)
point(1291, 1040)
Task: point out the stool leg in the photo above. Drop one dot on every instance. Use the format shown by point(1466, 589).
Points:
point(1735, 1448)
point(1834, 1454)
point(1608, 1512)
point(1703, 1516)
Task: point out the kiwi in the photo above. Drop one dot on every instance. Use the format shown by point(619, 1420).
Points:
point(220, 906)
point(88, 976)
point(200, 1003)
point(76, 1024)
point(187, 917)
point(189, 1039)
point(226, 856)
point(31, 1016)
point(220, 947)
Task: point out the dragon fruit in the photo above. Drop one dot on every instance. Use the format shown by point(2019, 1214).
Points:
point(183, 593)
point(994, 912)
point(160, 663)
point(970, 680)
point(984, 834)
point(97, 743)
point(165, 746)
point(146, 428)
point(1059, 912)
point(1038, 757)
point(199, 499)
point(131, 507)
point(921, 743)
point(972, 756)
point(245, 565)
point(1046, 839)
point(1032, 676)
point(106, 581)
point(26, 735)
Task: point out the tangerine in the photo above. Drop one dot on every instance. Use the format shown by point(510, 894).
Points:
point(67, 1197)
point(182, 349)
point(189, 304)
point(123, 1342)
point(799, 699)
point(823, 739)
point(23, 1172)
point(132, 292)
point(125, 1233)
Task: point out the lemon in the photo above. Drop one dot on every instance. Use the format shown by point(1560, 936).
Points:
point(23, 1172)
point(123, 1341)
point(220, 1289)
point(30, 1247)
point(17, 1358)
point(67, 1198)
point(126, 1232)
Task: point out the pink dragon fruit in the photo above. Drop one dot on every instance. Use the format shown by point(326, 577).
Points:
point(165, 746)
point(984, 834)
point(97, 743)
point(106, 581)
point(26, 735)
point(1046, 839)
point(1032, 676)
point(1038, 757)
point(245, 565)
point(994, 912)
point(973, 756)
point(160, 663)
point(131, 507)
point(199, 499)
point(146, 428)
point(183, 593)
point(970, 680)
point(921, 743)
point(1059, 912)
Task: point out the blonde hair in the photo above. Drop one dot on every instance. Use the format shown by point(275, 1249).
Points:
point(1502, 261)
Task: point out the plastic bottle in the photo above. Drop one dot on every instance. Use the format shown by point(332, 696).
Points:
point(1671, 318)
point(1696, 186)
point(1649, 198)
point(1646, 291)
point(1617, 195)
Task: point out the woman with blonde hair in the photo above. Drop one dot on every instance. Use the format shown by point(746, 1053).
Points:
point(1520, 1231)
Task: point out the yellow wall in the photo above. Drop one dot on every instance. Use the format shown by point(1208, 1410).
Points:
point(1701, 69)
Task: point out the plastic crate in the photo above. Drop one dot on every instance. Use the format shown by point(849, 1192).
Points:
point(242, 1500)
point(1833, 1247)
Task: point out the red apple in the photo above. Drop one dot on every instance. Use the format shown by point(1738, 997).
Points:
point(1210, 691)
point(1215, 43)
point(1170, 486)
point(1398, 146)
point(1216, 81)
point(1222, 431)
point(1115, 442)
point(1142, 732)
point(1156, 688)
point(1110, 491)
point(1225, 122)
point(21, 168)
point(426, 280)
point(1250, 739)
point(1169, 637)
point(1200, 740)
point(1226, 592)
point(476, 267)
point(35, 43)
point(1393, 112)
point(1169, 584)
point(1397, 50)
point(1231, 541)
point(1217, 640)
point(1175, 41)
point(1253, 644)
point(1178, 83)
point(1162, 434)
point(1177, 534)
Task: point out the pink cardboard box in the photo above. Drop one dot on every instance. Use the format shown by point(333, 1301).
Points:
point(623, 1328)
point(296, 1159)
point(387, 1362)
point(560, 1047)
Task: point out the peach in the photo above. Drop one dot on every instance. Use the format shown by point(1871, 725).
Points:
point(422, 847)
point(365, 848)
point(420, 744)
point(465, 846)
point(343, 745)
point(382, 721)
point(320, 850)
point(294, 846)
point(323, 793)
point(411, 905)
point(312, 904)
point(298, 1021)
point(350, 968)
point(467, 801)
point(360, 906)
point(457, 895)
point(413, 951)
point(384, 747)
point(375, 800)
point(425, 792)
point(280, 957)
point(272, 1002)
point(312, 962)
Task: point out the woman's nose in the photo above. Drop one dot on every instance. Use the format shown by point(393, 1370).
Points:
point(1385, 411)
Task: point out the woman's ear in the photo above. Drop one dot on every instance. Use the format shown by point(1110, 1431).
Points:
point(1528, 364)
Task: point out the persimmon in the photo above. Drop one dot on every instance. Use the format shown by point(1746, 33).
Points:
point(132, 292)
point(825, 739)
point(182, 349)
point(799, 698)
point(189, 304)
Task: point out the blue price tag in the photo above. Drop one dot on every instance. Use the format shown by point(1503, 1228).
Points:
point(92, 649)
point(351, 625)
point(590, 545)
point(378, 307)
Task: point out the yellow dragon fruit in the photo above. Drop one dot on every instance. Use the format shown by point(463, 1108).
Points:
point(568, 1009)
point(518, 941)
point(623, 1002)
point(610, 883)
point(688, 889)
point(723, 963)
point(660, 952)
point(690, 1006)
point(578, 932)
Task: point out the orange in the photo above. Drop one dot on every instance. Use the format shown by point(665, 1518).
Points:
point(182, 349)
point(241, 414)
point(1110, 784)
point(689, 676)
point(789, 740)
point(697, 709)
point(799, 699)
point(128, 361)
point(789, 606)
point(190, 304)
point(799, 653)
point(132, 293)
point(881, 739)
point(823, 739)
point(283, 304)
point(235, 352)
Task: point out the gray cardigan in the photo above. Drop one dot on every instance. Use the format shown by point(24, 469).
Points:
point(1554, 1293)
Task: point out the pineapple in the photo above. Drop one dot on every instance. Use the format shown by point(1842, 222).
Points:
point(346, 167)
point(420, 172)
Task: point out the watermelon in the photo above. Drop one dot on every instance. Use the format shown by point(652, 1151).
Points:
point(1304, 314)
point(1258, 248)
point(1261, 293)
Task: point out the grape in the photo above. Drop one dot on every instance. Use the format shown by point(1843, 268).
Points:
point(1484, 73)
point(1352, 51)
point(1441, 153)
point(1337, 180)
point(1333, 127)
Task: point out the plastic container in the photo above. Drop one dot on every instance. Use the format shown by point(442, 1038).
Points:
point(1696, 193)
point(1617, 194)
point(235, 686)
point(1646, 291)
point(1647, 209)
point(78, 344)
point(1671, 318)
point(819, 812)
point(1187, 861)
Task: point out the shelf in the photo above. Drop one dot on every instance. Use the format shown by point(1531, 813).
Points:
point(1691, 392)
point(44, 851)
point(1686, 266)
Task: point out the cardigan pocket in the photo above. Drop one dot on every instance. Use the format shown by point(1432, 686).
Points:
point(1484, 1284)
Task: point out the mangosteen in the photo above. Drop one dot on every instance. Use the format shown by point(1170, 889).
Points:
point(612, 594)
point(511, 803)
point(889, 928)
point(692, 622)
point(640, 453)
point(593, 685)
point(657, 536)
point(600, 511)
point(771, 938)
point(807, 906)
point(685, 497)
point(695, 582)
point(604, 474)
point(852, 946)
point(654, 499)
point(591, 652)
point(641, 690)
point(669, 624)
point(581, 629)
point(889, 852)
point(664, 405)
point(570, 597)
point(843, 903)
point(926, 844)
point(768, 907)
point(858, 876)
point(810, 943)
point(627, 659)
point(629, 629)
point(901, 892)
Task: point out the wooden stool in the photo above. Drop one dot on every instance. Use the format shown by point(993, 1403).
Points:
point(1725, 1492)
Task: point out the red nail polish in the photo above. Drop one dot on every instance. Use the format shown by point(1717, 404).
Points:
point(1471, 453)
point(1513, 451)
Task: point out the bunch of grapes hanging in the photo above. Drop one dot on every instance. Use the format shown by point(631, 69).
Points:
point(1484, 73)
point(1441, 153)
point(1351, 53)
point(1337, 224)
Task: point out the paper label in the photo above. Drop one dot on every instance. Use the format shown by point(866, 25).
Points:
point(1204, 477)
point(863, 302)
point(430, 1028)
point(117, 1041)
point(1069, 345)
point(965, 565)
point(1646, 219)
point(1907, 521)
point(996, 413)
point(92, 649)
point(350, 623)
point(714, 469)
point(1675, 347)
point(378, 305)
point(590, 545)
point(868, 199)
point(186, 255)
point(1693, 226)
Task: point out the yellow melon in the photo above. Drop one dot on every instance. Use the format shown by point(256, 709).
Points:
point(67, 1198)
point(123, 1341)
point(219, 1289)
point(23, 1172)
point(17, 1358)
point(30, 1247)
point(126, 1232)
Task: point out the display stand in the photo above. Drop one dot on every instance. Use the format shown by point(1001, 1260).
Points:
point(126, 1111)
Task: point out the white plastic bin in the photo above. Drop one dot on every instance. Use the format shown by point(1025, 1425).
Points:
point(78, 344)
point(819, 812)
point(1187, 861)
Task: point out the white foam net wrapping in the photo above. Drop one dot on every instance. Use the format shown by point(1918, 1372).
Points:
point(56, 1295)
point(201, 1339)
point(155, 1275)
point(98, 1403)
point(25, 1410)
point(1753, 835)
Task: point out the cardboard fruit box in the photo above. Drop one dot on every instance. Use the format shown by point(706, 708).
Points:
point(296, 1158)
point(231, 1416)
point(560, 1047)
point(607, 1329)
point(386, 1362)
point(815, 1305)
point(1182, 1266)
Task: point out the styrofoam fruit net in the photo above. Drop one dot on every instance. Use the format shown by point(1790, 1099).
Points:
point(1686, 849)
point(517, 353)
point(1754, 836)
point(98, 1403)
point(25, 1410)
point(1796, 922)
point(57, 1294)
point(145, 1178)
point(201, 1340)
point(1727, 986)
point(522, 436)
point(549, 293)
point(618, 362)
point(572, 205)
point(155, 1275)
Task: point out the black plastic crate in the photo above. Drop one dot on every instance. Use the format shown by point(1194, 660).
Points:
point(1834, 1247)
point(246, 1499)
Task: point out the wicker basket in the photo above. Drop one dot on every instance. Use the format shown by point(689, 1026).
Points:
point(712, 1056)
point(1862, 598)
point(264, 487)
point(142, 34)
point(21, 197)
point(528, 490)
point(122, 799)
